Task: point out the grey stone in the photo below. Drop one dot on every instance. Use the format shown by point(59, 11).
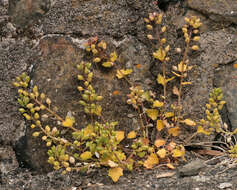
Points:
point(191, 169)
point(220, 11)
point(8, 160)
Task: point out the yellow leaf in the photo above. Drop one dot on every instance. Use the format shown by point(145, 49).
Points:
point(170, 79)
point(69, 121)
point(201, 130)
point(189, 122)
point(112, 164)
point(108, 64)
point(152, 113)
point(132, 135)
point(121, 73)
point(113, 56)
point(159, 142)
point(158, 104)
point(170, 166)
point(86, 155)
point(98, 110)
point(235, 65)
point(119, 135)
point(179, 151)
point(159, 125)
point(186, 83)
point(174, 131)
point(161, 153)
point(88, 131)
point(176, 74)
point(151, 161)
point(115, 173)
point(169, 114)
point(182, 67)
point(160, 54)
point(161, 80)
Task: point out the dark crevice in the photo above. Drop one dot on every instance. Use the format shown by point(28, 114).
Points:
point(164, 4)
point(21, 156)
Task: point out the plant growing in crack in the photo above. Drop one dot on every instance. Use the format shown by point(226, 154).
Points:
point(156, 143)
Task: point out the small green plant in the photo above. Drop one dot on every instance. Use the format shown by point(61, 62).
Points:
point(156, 143)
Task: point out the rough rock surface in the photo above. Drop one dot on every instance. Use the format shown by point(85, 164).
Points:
point(45, 39)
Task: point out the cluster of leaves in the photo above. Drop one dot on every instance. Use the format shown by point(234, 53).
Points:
point(155, 143)
point(168, 119)
point(99, 52)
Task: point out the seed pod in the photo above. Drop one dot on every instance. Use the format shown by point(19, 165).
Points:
point(149, 36)
point(80, 77)
point(38, 123)
point(35, 134)
point(48, 101)
point(42, 96)
point(48, 143)
point(22, 110)
point(163, 40)
point(30, 105)
point(196, 38)
point(27, 116)
point(195, 47)
point(36, 116)
point(42, 107)
point(96, 60)
point(163, 29)
point(47, 128)
point(149, 27)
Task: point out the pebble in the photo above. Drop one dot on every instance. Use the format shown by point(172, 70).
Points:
point(225, 185)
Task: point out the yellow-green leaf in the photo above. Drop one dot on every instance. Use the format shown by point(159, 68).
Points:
point(119, 135)
point(107, 64)
point(161, 80)
point(68, 122)
point(159, 125)
point(132, 135)
point(86, 155)
point(152, 113)
point(158, 104)
point(160, 54)
point(115, 173)
point(151, 161)
point(201, 130)
point(189, 122)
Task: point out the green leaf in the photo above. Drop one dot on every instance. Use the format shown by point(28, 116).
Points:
point(20, 102)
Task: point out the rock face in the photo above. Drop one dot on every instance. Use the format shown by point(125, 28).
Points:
point(62, 27)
